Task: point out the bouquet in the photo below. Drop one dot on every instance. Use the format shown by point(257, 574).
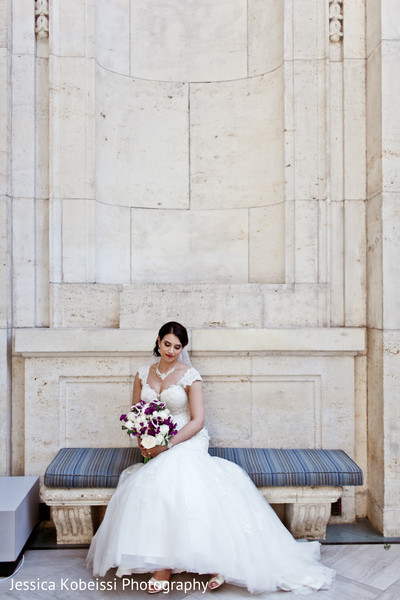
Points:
point(151, 421)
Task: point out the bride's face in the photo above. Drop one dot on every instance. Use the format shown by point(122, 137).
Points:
point(170, 348)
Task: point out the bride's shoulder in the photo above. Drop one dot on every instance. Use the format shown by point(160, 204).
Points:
point(190, 376)
point(143, 373)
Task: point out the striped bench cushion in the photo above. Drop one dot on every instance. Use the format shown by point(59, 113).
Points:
point(281, 467)
point(89, 467)
point(101, 467)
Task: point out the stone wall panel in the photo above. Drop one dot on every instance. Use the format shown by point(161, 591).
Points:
point(310, 129)
point(390, 125)
point(373, 25)
point(237, 154)
point(306, 241)
point(354, 129)
point(71, 119)
point(113, 244)
point(42, 275)
point(336, 264)
point(265, 52)
point(4, 124)
point(374, 262)
point(173, 41)
point(78, 235)
point(5, 257)
point(197, 246)
point(333, 419)
point(391, 263)
point(267, 244)
point(89, 305)
point(145, 141)
point(4, 34)
point(5, 458)
point(391, 353)
point(355, 263)
point(226, 398)
point(389, 20)
point(276, 396)
point(207, 305)
point(355, 39)
point(23, 39)
point(18, 416)
point(55, 420)
point(309, 33)
point(23, 126)
point(23, 262)
point(72, 28)
point(113, 35)
point(376, 433)
point(374, 120)
point(301, 305)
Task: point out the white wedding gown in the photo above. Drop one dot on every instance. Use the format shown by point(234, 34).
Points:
point(188, 511)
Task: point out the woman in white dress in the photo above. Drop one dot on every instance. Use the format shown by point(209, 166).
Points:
point(187, 511)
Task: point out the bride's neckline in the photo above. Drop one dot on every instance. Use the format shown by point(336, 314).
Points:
point(176, 384)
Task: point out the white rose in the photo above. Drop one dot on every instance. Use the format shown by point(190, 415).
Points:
point(131, 416)
point(160, 440)
point(129, 425)
point(148, 441)
point(164, 430)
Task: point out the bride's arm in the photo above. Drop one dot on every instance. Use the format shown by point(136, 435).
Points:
point(137, 390)
point(196, 405)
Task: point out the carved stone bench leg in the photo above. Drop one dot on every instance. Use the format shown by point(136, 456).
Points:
point(76, 511)
point(307, 509)
point(307, 520)
point(74, 524)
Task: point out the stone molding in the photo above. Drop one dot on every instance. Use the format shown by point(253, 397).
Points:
point(336, 20)
point(126, 342)
point(42, 19)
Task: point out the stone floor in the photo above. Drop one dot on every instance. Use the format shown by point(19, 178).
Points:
point(367, 566)
point(364, 572)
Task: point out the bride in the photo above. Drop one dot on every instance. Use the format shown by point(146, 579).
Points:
point(187, 511)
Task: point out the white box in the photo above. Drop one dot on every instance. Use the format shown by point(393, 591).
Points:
point(19, 513)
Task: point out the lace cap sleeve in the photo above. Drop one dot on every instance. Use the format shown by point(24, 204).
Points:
point(190, 377)
point(143, 373)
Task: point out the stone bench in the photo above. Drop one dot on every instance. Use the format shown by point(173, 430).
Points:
point(79, 483)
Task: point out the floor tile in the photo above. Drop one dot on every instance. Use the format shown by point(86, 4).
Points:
point(372, 565)
point(364, 572)
point(392, 593)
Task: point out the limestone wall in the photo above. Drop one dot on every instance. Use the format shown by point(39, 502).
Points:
point(203, 162)
point(383, 84)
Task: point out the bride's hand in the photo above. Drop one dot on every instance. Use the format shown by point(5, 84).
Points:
point(151, 452)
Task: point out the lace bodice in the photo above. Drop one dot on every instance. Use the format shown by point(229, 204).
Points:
point(175, 396)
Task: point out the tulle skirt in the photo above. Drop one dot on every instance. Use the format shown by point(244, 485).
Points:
point(187, 511)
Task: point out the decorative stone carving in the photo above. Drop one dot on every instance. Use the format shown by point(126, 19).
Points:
point(335, 20)
point(307, 509)
point(308, 520)
point(73, 524)
point(76, 511)
point(42, 18)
